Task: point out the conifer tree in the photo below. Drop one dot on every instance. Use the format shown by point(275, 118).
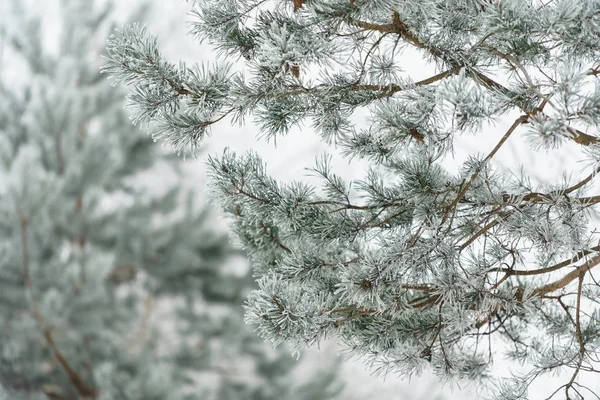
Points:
point(417, 265)
point(110, 289)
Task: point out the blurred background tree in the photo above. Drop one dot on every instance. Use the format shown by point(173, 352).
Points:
point(112, 289)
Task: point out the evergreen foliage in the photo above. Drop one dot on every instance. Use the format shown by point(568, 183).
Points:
point(416, 265)
point(110, 289)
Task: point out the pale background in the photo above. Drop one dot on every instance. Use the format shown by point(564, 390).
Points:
point(293, 153)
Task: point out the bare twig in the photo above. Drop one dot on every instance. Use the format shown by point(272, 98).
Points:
point(467, 185)
point(78, 383)
point(568, 278)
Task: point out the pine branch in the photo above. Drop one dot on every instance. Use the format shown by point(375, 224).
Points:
point(436, 257)
point(401, 29)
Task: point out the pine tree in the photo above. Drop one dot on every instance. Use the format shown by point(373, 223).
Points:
point(416, 265)
point(110, 289)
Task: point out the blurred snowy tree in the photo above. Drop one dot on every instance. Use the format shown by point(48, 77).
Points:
point(416, 265)
point(109, 290)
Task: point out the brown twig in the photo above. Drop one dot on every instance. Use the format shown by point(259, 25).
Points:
point(482, 231)
point(467, 185)
point(578, 335)
point(81, 387)
point(351, 317)
point(568, 278)
point(583, 182)
point(78, 383)
point(551, 268)
point(386, 90)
